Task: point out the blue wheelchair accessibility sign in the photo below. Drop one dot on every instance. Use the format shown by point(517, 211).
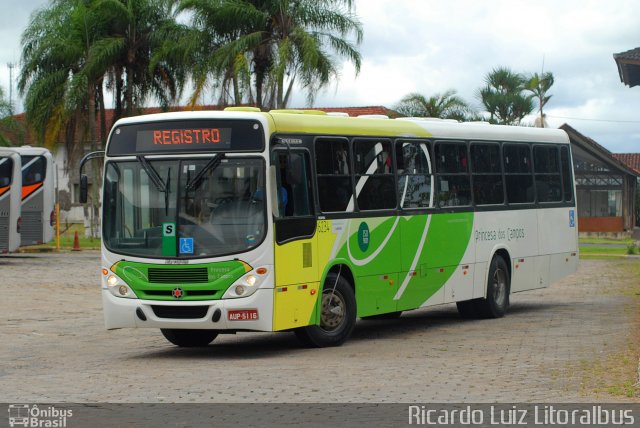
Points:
point(186, 245)
point(572, 218)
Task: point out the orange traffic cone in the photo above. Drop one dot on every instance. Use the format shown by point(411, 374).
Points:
point(76, 243)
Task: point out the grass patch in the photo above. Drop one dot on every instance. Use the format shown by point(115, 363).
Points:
point(625, 242)
point(609, 251)
point(67, 234)
point(603, 250)
point(601, 256)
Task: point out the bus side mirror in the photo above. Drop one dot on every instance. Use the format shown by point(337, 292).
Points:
point(273, 191)
point(84, 187)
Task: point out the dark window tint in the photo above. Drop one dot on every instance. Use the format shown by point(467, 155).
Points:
point(547, 173)
point(375, 188)
point(487, 174)
point(334, 179)
point(332, 157)
point(452, 157)
point(294, 186)
point(34, 169)
point(517, 158)
point(454, 188)
point(567, 176)
point(517, 173)
point(6, 171)
point(414, 174)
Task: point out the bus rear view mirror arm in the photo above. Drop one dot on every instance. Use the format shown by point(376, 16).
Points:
point(84, 186)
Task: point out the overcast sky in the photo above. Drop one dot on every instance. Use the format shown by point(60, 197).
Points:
point(430, 46)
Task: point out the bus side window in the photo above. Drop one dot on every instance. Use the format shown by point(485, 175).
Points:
point(414, 174)
point(567, 179)
point(517, 173)
point(294, 187)
point(547, 173)
point(334, 175)
point(487, 174)
point(375, 188)
point(454, 187)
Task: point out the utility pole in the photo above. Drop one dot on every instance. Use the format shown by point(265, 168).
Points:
point(11, 65)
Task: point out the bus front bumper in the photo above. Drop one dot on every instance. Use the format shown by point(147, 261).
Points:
point(228, 314)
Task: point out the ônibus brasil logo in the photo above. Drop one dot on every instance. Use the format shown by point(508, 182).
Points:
point(26, 415)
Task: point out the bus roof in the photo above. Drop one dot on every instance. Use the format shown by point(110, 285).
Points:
point(318, 122)
point(28, 150)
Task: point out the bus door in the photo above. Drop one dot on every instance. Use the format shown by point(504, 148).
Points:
point(34, 170)
point(10, 190)
point(296, 264)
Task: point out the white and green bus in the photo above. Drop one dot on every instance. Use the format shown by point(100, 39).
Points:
point(240, 220)
point(10, 191)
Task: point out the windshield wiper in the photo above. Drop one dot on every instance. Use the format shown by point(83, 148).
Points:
point(157, 181)
point(210, 166)
point(153, 174)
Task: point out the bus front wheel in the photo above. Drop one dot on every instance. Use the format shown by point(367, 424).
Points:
point(189, 338)
point(337, 315)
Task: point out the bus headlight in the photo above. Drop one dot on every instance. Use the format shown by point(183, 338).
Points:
point(246, 285)
point(118, 287)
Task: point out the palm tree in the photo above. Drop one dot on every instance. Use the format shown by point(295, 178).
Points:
point(503, 97)
point(58, 78)
point(74, 49)
point(445, 106)
point(277, 42)
point(538, 85)
point(139, 29)
point(11, 131)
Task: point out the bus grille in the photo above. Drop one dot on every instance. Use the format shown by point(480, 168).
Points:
point(31, 229)
point(172, 276)
point(4, 233)
point(180, 312)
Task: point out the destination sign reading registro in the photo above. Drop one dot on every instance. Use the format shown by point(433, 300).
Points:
point(180, 139)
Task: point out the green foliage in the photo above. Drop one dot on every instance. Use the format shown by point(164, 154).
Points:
point(72, 50)
point(444, 106)
point(11, 131)
point(538, 85)
point(504, 97)
point(256, 50)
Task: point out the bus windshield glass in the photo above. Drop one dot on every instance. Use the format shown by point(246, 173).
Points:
point(34, 169)
point(6, 170)
point(185, 208)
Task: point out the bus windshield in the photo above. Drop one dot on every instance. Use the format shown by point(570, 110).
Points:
point(185, 208)
point(6, 170)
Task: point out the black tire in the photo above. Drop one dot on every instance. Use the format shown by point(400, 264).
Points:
point(337, 317)
point(468, 309)
point(387, 316)
point(189, 338)
point(496, 303)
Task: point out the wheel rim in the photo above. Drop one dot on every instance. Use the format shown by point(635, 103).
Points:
point(499, 287)
point(333, 310)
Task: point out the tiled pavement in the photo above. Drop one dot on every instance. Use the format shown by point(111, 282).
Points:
point(55, 349)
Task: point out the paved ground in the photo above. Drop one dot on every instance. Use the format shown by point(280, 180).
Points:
point(55, 349)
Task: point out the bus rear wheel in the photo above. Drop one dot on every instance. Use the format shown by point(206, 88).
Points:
point(337, 315)
point(496, 303)
point(189, 338)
